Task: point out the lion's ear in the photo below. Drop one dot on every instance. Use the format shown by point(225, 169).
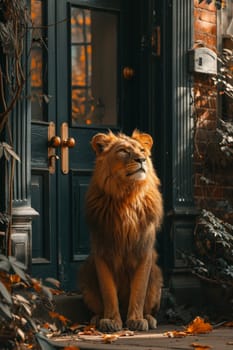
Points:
point(145, 139)
point(100, 141)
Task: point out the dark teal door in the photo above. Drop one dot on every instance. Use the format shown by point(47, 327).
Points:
point(79, 52)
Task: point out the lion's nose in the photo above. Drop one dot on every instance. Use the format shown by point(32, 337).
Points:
point(140, 160)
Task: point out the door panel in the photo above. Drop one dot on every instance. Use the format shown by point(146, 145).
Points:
point(80, 239)
point(85, 91)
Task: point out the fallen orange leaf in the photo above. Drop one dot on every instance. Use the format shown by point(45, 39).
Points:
point(198, 346)
point(175, 334)
point(89, 327)
point(56, 291)
point(5, 279)
point(198, 325)
point(71, 348)
point(89, 330)
point(36, 285)
point(126, 333)
point(110, 338)
point(46, 325)
point(15, 279)
point(62, 318)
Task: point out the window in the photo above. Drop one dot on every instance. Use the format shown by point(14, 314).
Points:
point(93, 67)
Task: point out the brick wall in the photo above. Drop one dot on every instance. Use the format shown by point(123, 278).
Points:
point(213, 174)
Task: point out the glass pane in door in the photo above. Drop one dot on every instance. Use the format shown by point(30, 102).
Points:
point(38, 68)
point(93, 67)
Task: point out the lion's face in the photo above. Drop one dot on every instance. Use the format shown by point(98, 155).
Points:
point(129, 160)
point(121, 160)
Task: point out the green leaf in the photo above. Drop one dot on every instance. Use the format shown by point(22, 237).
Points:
point(13, 154)
point(17, 263)
point(53, 281)
point(5, 265)
point(3, 257)
point(8, 151)
point(44, 342)
point(5, 293)
point(47, 292)
point(17, 267)
point(31, 323)
point(6, 310)
point(27, 308)
point(21, 333)
point(21, 299)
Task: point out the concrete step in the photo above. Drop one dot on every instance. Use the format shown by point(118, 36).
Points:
point(72, 307)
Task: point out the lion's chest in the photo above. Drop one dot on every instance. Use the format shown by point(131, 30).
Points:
point(126, 217)
point(122, 227)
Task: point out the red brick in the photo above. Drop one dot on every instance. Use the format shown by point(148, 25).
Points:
point(210, 7)
point(207, 39)
point(205, 27)
point(205, 16)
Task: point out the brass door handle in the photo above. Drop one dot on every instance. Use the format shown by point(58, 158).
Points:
point(70, 142)
point(55, 141)
point(66, 143)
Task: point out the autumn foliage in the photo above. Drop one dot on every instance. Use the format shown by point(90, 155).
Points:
point(20, 297)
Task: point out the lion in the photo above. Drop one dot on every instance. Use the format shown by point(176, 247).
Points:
point(120, 280)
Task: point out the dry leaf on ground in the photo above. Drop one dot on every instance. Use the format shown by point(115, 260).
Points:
point(89, 330)
point(110, 338)
point(197, 326)
point(125, 333)
point(175, 334)
point(199, 346)
point(58, 316)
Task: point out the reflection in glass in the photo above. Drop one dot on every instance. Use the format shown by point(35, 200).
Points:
point(80, 26)
point(37, 61)
point(81, 72)
point(94, 67)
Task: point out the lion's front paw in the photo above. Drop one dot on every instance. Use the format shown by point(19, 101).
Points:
point(110, 325)
point(140, 324)
point(152, 322)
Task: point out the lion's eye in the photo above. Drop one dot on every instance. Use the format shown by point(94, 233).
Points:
point(123, 152)
point(142, 150)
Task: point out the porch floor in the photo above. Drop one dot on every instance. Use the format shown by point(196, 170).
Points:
point(220, 338)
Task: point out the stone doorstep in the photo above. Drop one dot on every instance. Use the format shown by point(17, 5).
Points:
point(71, 305)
